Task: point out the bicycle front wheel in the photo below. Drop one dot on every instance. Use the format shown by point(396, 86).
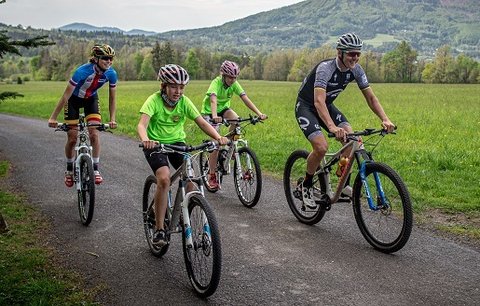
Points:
point(293, 176)
point(386, 226)
point(247, 177)
point(148, 210)
point(204, 258)
point(86, 194)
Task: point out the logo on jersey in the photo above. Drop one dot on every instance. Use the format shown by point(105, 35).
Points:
point(339, 118)
point(176, 118)
point(303, 123)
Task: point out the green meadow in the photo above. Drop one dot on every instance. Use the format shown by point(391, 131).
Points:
point(435, 150)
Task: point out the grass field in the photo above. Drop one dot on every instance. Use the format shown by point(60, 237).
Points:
point(29, 274)
point(436, 149)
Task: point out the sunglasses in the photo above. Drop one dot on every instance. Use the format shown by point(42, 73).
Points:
point(354, 53)
point(106, 58)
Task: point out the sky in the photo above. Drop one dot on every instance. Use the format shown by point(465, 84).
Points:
point(149, 15)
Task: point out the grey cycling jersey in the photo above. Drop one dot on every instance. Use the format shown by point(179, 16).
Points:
point(328, 76)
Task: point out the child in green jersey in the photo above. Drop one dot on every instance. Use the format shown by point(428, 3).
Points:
point(216, 106)
point(162, 118)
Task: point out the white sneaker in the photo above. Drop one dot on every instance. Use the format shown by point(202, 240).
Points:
point(307, 196)
point(347, 192)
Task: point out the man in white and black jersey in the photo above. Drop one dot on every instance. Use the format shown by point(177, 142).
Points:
point(314, 109)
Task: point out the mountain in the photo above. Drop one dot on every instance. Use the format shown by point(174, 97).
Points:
point(90, 28)
point(425, 24)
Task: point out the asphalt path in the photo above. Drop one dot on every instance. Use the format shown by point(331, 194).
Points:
point(269, 258)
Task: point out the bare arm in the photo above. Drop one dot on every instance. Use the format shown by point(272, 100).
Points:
point(377, 108)
point(112, 106)
point(252, 107)
point(142, 132)
point(320, 96)
point(52, 121)
point(213, 108)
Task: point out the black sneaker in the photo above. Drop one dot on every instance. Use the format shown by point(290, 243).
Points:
point(159, 238)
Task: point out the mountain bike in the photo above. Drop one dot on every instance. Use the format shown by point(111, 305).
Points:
point(83, 174)
point(188, 213)
point(381, 201)
point(247, 175)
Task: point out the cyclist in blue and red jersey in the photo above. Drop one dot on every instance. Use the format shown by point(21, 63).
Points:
point(315, 110)
point(81, 92)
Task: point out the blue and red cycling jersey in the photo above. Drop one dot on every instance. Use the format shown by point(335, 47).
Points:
point(87, 79)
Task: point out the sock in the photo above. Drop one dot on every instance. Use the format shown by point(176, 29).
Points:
point(308, 182)
point(70, 164)
point(96, 161)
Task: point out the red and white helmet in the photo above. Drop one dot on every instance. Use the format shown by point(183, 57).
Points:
point(173, 74)
point(230, 69)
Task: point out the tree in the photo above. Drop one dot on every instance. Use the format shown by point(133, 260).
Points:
point(10, 46)
point(192, 64)
point(146, 70)
point(399, 64)
point(156, 57)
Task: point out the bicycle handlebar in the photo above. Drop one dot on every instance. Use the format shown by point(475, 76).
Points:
point(65, 126)
point(365, 132)
point(209, 145)
point(253, 120)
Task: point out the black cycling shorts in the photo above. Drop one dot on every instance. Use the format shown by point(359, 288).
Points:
point(309, 121)
point(157, 160)
point(90, 107)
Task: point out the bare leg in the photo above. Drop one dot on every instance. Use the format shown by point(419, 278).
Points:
point(163, 184)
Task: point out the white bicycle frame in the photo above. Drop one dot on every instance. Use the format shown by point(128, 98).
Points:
point(82, 148)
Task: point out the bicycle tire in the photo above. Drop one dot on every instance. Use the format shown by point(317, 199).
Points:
point(248, 183)
point(148, 211)
point(293, 175)
point(205, 169)
point(204, 260)
point(86, 194)
point(387, 229)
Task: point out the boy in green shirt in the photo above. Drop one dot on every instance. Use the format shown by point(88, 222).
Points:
point(162, 118)
point(216, 106)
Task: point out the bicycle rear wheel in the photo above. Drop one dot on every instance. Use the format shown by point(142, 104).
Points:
point(247, 177)
point(293, 176)
point(86, 194)
point(387, 227)
point(204, 259)
point(204, 170)
point(148, 206)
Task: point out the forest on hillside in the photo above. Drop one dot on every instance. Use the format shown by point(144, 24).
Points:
point(139, 57)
